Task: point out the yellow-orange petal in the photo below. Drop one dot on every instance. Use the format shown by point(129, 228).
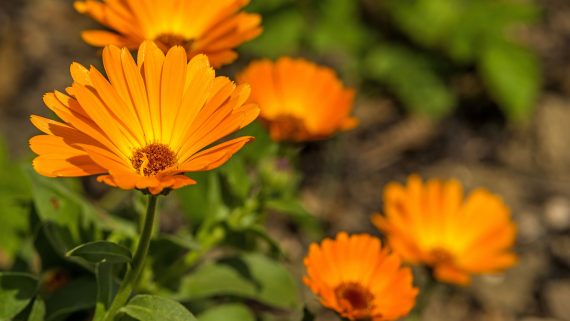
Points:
point(300, 101)
point(211, 28)
point(431, 223)
point(145, 125)
point(359, 279)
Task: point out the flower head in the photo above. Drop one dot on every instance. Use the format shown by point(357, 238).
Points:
point(213, 28)
point(146, 125)
point(359, 279)
point(432, 224)
point(299, 100)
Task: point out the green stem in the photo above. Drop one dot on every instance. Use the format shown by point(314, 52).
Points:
point(137, 265)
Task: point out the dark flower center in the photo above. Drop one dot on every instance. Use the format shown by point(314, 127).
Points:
point(166, 41)
point(441, 256)
point(354, 298)
point(153, 159)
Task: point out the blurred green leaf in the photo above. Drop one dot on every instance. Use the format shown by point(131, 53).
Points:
point(512, 74)
point(235, 175)
point(265, 6)
point(155, 308)
point(213, 280)
point(68, 219)
point(202, 200)
point(300, 215)
point(105, 289)
point(77, 295)
point(227, 312)
point(282, 34)
point(412, 78)
point(327, 37)
point(428, 22)
point(16, 292)
point(38, 312)
point(252, 276)
point(102, 251)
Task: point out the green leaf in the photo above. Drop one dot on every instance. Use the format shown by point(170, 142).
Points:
point(413, 78)
point(227, 312)
point(38, 312)
point(77, 295)
point(105, 289)
point(275, 284)
point(203, 200)
point(251, 276)
point(68, 219)
point(282, 34)
point(300, 215)
point(212, 280)
point(16, 291)
point(512, 74)
point(102, 251)
point(155, 308)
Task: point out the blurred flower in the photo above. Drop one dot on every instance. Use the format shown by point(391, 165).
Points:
point(299, 100)
point(432, 224)
point(213, 28)
point(145, 126)
point(359, 279)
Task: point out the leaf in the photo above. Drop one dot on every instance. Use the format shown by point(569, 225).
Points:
point(413, 78)
point(282, 35)
point(16, 291)
point(68, 219)
point(155, 308)
point(251, 276)
point(227, 312)
point(38, 311)
point(295, 209)
point(275, 284)
point(102, 251)
point(512, 74)
point(212, 280)
point(204, 200)
point(105, 289)
point(77, 295)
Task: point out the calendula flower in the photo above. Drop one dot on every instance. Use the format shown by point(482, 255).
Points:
point(359, 279)
point(144, 126)
point(300, 101)
point(213, 28)
point(432, 224)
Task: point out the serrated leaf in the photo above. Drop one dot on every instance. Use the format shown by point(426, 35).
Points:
point(102, 251)
point(155, 308)
point(16, 292)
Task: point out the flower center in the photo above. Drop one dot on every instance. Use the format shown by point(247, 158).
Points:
point(153, 159)
point(441, 256)
point(288, 127)
point(166, 41)
point(354, 299)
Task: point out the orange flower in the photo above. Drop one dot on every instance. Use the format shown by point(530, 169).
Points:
point(432, 224)
point(359, 279)
point(299, 100)
point(213, 28)
point(145, 126)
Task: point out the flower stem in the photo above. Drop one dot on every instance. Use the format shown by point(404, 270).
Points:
point(137, 264)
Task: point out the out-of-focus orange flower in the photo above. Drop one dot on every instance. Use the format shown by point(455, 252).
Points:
point(213, 28)
point(145, 126)
point(299, 100)
point(359, 279)
point(432, 224)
